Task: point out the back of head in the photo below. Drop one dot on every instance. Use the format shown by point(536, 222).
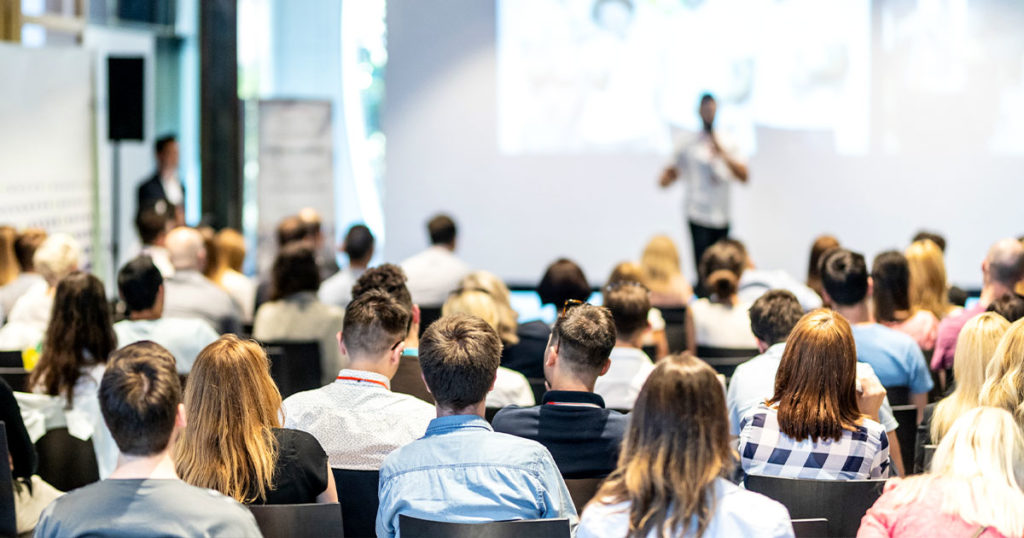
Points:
point(563, 280)
point(1010, 306)
point(844, 275)
point(821, 245)
point(459, 356)
point(1004, 375)
point(312, 221)
point(721, 267)
point(584, 337)
point(660, 263)
point(629, 302)
point(891, 292)
point(773, 316)
point(139, 283)
point(25, 246)
point(290, 230)
point(9, 268)
point(152, 221)
point(359, 244)
point(56, 257)
point(930, 236)
point(233, 404)
point(815, 386)
point(387, 277)
point(231, 247)
point(186, 249)
point(927, 278)
point(1005, 261)
point(373, 323)
point(508, 319)
point(679, 431)
point(139, 398)
point(626, 272)
point(295, 270)
point(441, 229)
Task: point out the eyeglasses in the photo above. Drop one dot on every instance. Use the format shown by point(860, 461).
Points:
point(398, 343)
point(569, 305)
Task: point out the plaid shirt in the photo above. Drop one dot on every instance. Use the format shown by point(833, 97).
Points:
point(765, 450)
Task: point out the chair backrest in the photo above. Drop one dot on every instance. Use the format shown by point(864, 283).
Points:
point(357, 493)
point(539, 386)
point(409, 380)
point(8, 521)
point(929, 453)
point(489, 413)
point(295, 366)
point(16, 377)
point(11, 359)
point(534, 528)
point(675, 328)
point(428, 315)
point(898, 395)
point(841, 502)
point(65, 461)
point(582, 490)
point(810, 528)
point(298, 520)
point(906, 432)
point(725, 360)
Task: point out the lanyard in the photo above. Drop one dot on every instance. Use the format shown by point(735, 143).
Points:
point(360, 379)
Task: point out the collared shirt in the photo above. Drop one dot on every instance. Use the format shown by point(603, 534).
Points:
point(462, 471)
point(755, 282)
point(189, 294)
point(357, 419)
point(708, 177)
point(337, 290)
point(582, 436)
point(895, 357)
point(949, 332)
point(433, 274)
point(766, 451)
point(737, 512)
point(621, 384)
point(184, 338)
point(301, 316)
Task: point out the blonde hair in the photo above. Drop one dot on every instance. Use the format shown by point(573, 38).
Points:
point(660, 264)
point(974, 349)
point(473, 302)
point(57, 257)
point(231, 246)
point(1004, 375)
point(1020, 285)
point(508, 319)
point(982, 460)
point(233, 405)
point(8, 260)
point(928, 278)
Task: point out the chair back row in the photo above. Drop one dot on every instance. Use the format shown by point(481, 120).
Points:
point(299, 520)
point(842, 502)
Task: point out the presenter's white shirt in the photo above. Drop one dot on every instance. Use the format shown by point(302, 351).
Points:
point(172, 189)
point(707, 176)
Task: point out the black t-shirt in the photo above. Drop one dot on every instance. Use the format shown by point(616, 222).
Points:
point(301, 470)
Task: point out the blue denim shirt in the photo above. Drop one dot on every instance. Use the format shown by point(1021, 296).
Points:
point(462, 471)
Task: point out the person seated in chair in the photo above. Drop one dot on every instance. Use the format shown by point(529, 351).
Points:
point(629, 303)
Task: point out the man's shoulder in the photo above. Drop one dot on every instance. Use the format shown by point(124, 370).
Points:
point(513, 419)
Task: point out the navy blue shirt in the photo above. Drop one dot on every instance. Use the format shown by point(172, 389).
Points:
point(582, 436)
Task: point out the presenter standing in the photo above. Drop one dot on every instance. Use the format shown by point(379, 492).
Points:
point(708, 162)
point(163, 189)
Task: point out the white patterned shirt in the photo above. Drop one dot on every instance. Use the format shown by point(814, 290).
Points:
point(625, 377)
point(357, 419)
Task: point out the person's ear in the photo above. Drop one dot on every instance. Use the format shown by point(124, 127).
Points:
point(493, 381)
point(762, 346)
point(424, 378)
point(607, 365)
point(396, 354)
point(180, 421)
point(826, 299)
point(871, 287)
point(415, 314)
point(341, 345)
point(552, 357)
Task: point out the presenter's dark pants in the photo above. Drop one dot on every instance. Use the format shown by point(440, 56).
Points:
point(703, 237)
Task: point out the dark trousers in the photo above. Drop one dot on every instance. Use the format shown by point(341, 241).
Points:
point(703, 237)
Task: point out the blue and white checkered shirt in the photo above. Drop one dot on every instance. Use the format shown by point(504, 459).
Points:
point(765, 450)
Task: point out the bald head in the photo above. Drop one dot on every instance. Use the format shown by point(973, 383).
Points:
point(1005, 262)
point(186, 249)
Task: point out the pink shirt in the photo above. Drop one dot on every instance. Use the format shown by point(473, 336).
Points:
point(918, 518)
point(949, 330)
point(923, 327)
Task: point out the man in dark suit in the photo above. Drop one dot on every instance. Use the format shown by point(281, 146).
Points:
point(164, 185)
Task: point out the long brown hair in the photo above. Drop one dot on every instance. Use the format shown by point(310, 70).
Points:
point(8, 260)
point(721, 267)
point(676, 445)
point(80, 334)
point(815, 386)
point(233, 405)
point(891, 292)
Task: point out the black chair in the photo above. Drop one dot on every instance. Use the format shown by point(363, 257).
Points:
point(675, 328)
point(298, 520)
point(408, 379)
point(929, 453)
point(906, 432)
point(17, 378)
point(295, 366)
point(841, 502)
point(725, 360)
point(8, 521)
point(898, 395)
point(539, 387)
point(810, 528)
point(535, 528)
point(357, 493)
point(489, 413)
point(65, 461)
point(11, 359)
point(428, 315)
point(582, 490)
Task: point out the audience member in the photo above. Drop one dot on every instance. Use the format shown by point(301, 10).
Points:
point(821, 245)
point(754, 282)
point(189, 294)
point(325, 257)
point(359, 248)
point(563, 281)
point(357, 418)
point(141, 287)
point(290, 229)
point(510, 386)
point(295, 314)
point(928, 287)
point(56, 257)
point(721, 320)
point(31, 493)
point(669, 480)
point(572, 422)
point(25, 245)
point(1020, 285)
point(153, 222)
point(628, 302)
point(654, 338)
point(895, 357)
point(1004, 375)
point(233, 441)
point(435, 272)
point(242, 289)
point(973, 487)
point(75, 351)
point(663, 275)
point(1010, 306)
point(163, 187)
point(1001, 270)
point(890, 275)
point(818, 420)
point(140, 397)
point(461, 470)
point(9, 269)
point(390, 279)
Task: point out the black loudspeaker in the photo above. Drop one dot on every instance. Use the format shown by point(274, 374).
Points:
point(125, 78)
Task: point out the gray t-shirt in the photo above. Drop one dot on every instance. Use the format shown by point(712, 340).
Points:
point(141, 508)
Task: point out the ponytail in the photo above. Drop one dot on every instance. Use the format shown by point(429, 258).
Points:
point(723, 283)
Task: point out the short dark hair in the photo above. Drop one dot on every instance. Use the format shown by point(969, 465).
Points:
point(773, 316)
point(139, 283)
point(585, 336)
point(1010, 306)
point(25, 246)
point(931, 236)
point(291, 229)
point(844, 275)
point(563, 280)
point(629, 304)
point(387, 277)
point(151, 221)
point(139, 398)
point(441, 229)
point(358, 242)
point(705, 97)
point(374, 321)
point(459, 356)
point(162, 142)
point(890, 274)
point(294, 270)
